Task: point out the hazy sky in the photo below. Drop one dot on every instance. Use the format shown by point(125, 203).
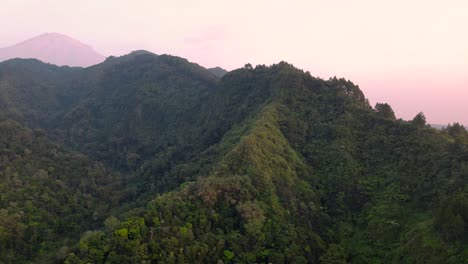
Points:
point(412, 54)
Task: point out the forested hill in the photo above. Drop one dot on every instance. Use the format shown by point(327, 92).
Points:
point(48, 195)
point(262, 165)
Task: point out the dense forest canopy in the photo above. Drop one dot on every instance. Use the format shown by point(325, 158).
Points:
point(152, 159)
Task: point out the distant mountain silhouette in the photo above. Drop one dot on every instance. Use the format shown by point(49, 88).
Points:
point(54, 48)
point(218, 71)
point(438, 126)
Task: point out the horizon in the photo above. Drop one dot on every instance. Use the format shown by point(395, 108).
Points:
point(410, 55)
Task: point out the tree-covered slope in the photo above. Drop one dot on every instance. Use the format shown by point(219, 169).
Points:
point(263, 165)
point(128, 111)
point(33, 92)
point(138, 106)
point(316, 176)
point(48, 196)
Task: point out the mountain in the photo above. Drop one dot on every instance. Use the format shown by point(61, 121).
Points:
point(53, 48)
point(266, 164)
point(218, 71)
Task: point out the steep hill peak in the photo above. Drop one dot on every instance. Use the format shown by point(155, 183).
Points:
point(54, 48)
point(218, 71)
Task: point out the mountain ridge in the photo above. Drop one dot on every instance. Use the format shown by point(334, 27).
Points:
point(218, 71)
point(53, 48)
point(267, 164)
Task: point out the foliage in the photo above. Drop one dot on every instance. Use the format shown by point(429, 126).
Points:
point(265, 165)
point(48, 196)
point(385, 111)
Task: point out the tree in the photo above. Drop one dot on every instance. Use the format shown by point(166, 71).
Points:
point(385, 110)
point(419, 120)
point(335, 254)
point(457, 131)
point(111, 223)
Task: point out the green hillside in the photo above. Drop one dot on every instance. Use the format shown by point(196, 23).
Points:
point(48, 195)
point(263, 165)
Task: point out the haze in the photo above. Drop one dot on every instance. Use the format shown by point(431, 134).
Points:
point(410, 54)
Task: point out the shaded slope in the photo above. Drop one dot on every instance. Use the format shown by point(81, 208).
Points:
point(315, 175)
point(240, 209)
point(141, 113)
point(49, 196)
point(243, 211)
point(266, 164)
point(33, 92)
point(159, 116)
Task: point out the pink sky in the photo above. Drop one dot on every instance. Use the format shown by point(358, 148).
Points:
point(410, 54)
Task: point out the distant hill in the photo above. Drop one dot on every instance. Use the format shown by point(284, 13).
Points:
point(437, 126)
point(218, 71)
point(53, 48)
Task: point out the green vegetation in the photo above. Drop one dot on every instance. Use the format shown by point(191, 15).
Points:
point(48, 196)
point(157, 160)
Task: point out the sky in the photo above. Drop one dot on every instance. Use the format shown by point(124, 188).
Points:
point(412, 54)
